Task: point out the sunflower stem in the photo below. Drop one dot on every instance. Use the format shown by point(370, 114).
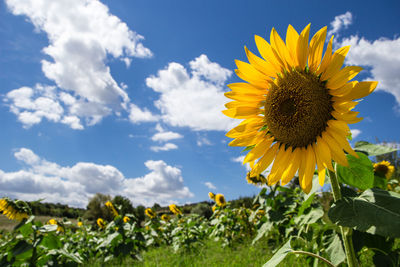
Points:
point(345, 231)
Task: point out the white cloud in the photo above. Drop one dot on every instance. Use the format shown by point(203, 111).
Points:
point(210, 185)
point(202, 140)
point(165, 147)
point(340, 22)
point(355, 133)
point(382, 57)
point(164, 136)
point(195, 99)
point(81, 34)
point(136, 115)
point(75, 185)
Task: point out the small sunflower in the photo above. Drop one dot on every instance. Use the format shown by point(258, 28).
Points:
point(175, 210)
point(214, 208)
point(101, 223)
point(256, 180)
point(296, 105)
point(14, 210)
point(211, 195)
point(126, 219)
point(150, 213)
point(220, 200)
point(165, 217)
point(79, 224)
point(111, 207)
point(384, 168)
point(60, 228)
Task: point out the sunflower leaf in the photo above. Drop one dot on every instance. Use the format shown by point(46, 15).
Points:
point(375, 211)
point(359, 173)
point(372, 149)
point(279, 255)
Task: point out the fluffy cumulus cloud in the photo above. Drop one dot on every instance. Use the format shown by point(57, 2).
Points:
point(75, 185)
point(81, 34)
point(192, 98)
point(165, 147)
point(163, 136)
point(210, 185)
point(355, 133)
point(340, 22)
point(382, 59)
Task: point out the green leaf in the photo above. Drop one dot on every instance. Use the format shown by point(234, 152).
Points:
point(335, 250)
point(306, 204)
point(372, 149)
point(279, 255)
point(375, 211)
point(26, 229)
point(21, 247)
point(264, 230)
point(48, 228)
point(110, 239)
point(50, 241)
point(360, 172)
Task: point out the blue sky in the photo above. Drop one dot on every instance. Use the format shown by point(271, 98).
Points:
point(125, 97)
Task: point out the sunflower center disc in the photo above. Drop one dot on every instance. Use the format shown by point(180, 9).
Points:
point(297, 109)
point(382, 169)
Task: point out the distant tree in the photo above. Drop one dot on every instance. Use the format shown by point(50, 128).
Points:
point(156, 207)
point(96, 208)
point(123, 205)
point(202, 209)
point(139, 213)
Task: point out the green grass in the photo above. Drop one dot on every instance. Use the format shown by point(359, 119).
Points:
point(212, 254)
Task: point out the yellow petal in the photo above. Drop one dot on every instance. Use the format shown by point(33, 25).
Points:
point(340, 125)
point(246, 127)
point(362, 89)
point(342, 91)
point(306, 180)
point(316, 48)
point(265, 161)
point(242, 112)
point(246, 88)
point(341, 140)
point(336, 63)
point(302, 47)
point(291, 42)
point(248, 140)
point(266, 52)
point(348, 117)
point(260, 64)
point(245, 97)
point(254, 80)
point(237, 104)
point(258, 150)
point(323, 153)
point(320, 167)
point(279, 46)
point(343, 76)
point(326, 59)
point(344, 106)
point(280, 164)
point(336, 150)
point(292, 167)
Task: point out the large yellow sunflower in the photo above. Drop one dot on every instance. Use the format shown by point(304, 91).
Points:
point(384, 168)
point(296, 106)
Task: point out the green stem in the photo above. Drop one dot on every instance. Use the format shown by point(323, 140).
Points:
point(345, 231)
point(314, 255)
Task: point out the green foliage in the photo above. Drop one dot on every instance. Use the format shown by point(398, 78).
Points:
point(372, 149)
point(375, 211)
point(203, 209)
point(96, 209)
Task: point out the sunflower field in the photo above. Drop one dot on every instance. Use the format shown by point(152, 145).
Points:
point(323, 202)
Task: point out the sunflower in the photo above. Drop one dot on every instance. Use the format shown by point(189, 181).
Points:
point(126, 219)
point(256, 180)
point(150, 213)
point(79, 223)
point(384, 168)
point(165, 217)
point(101, 223)
point(111, 207)
point(175, 210)
point(211, 195)
point(60, 228)
point(296, 106)
point(14, 210)
point(220, 200)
